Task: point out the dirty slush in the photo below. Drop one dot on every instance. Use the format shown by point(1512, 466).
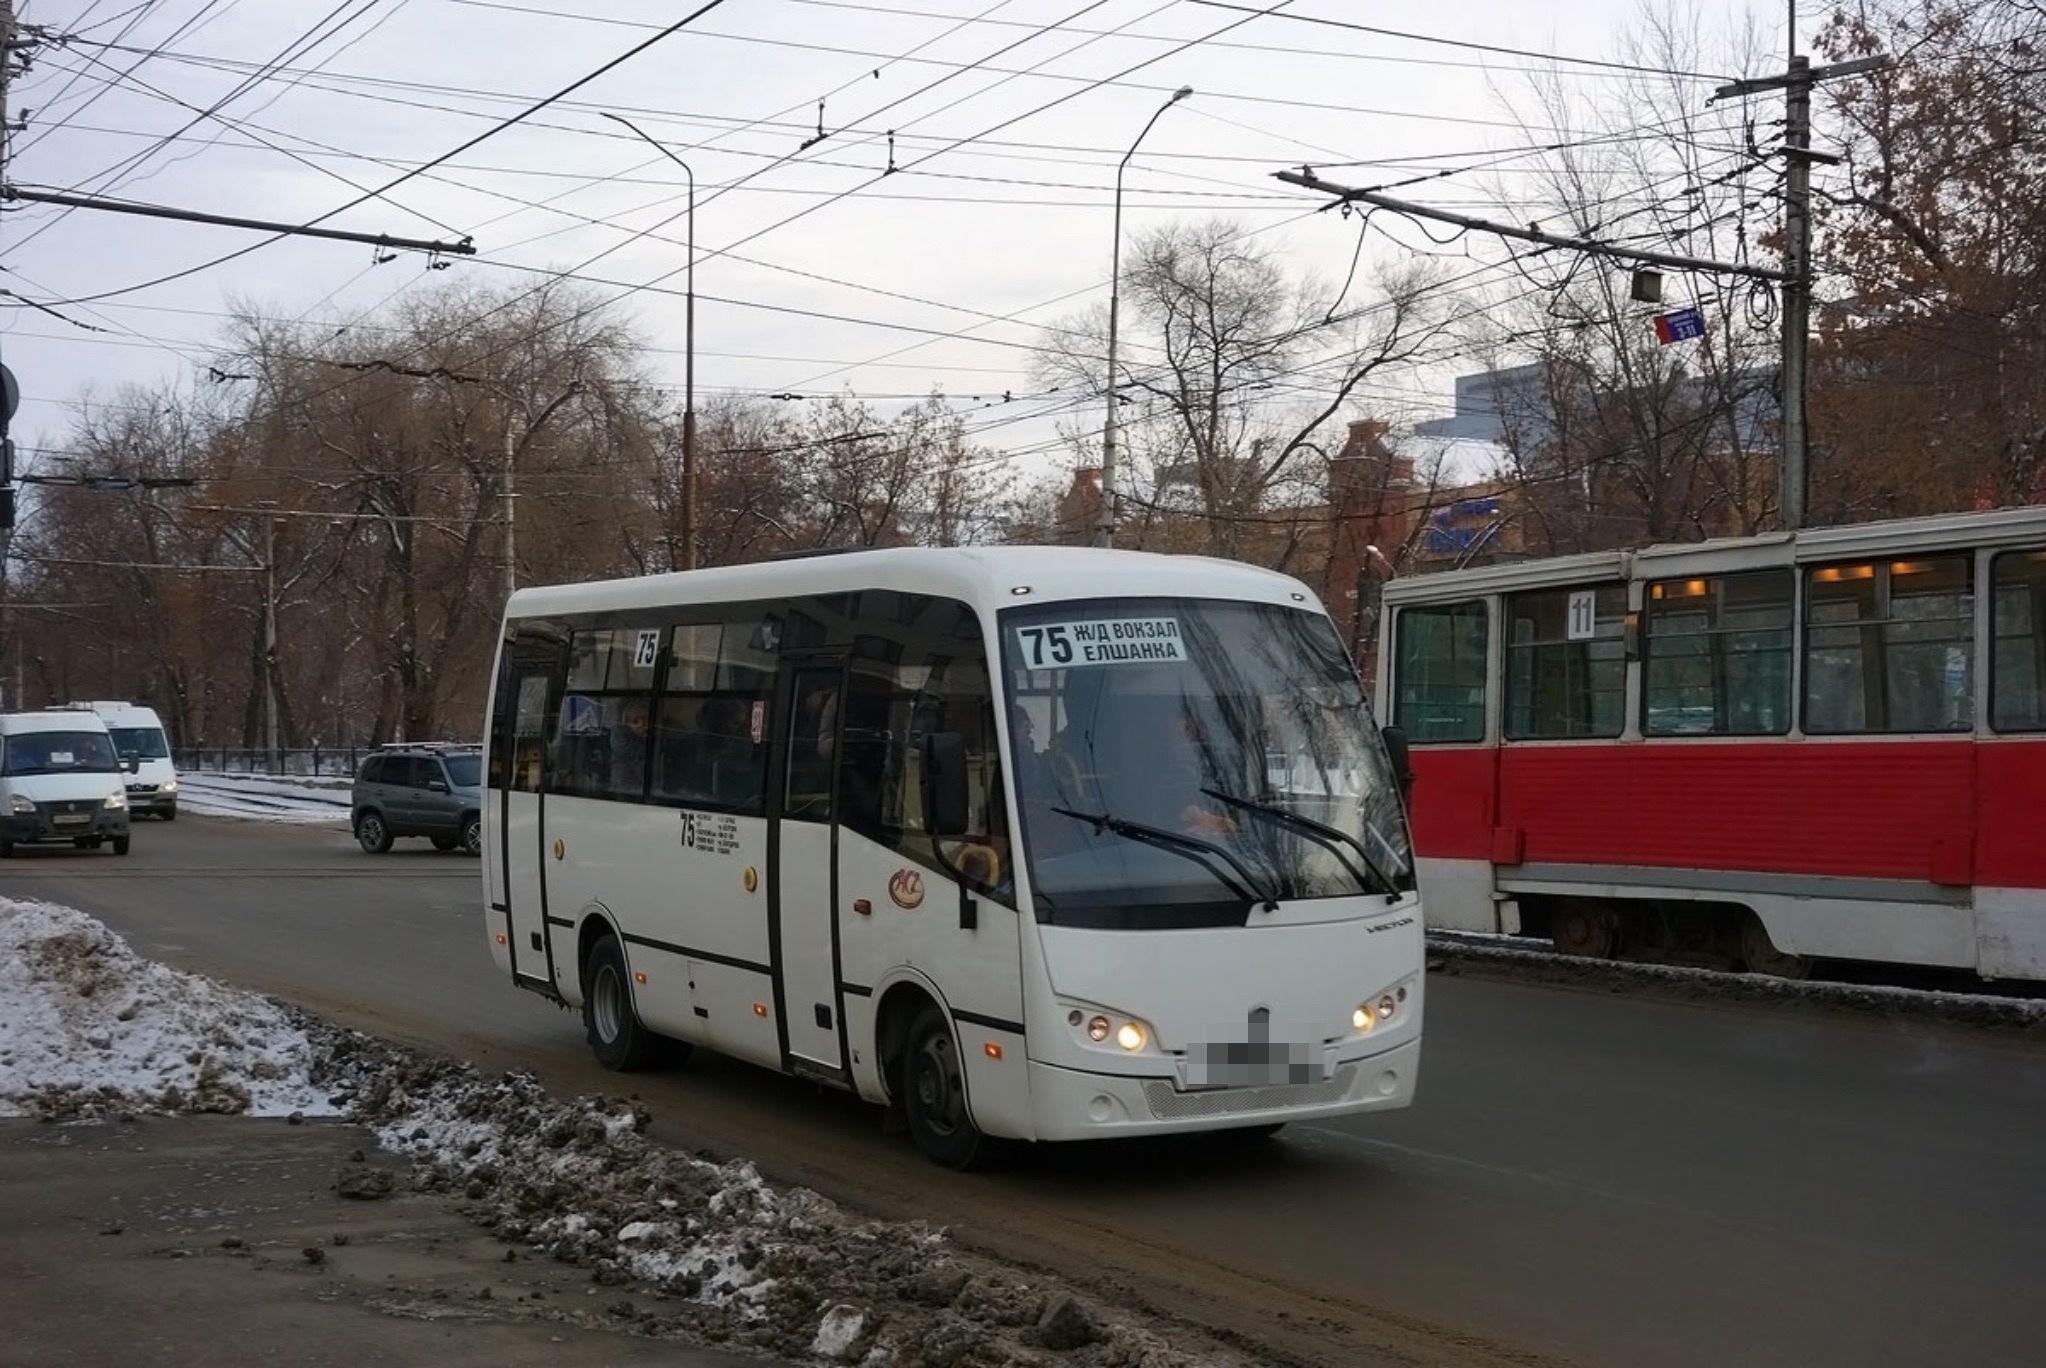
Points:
point(741, 1262)
point(713, 1253)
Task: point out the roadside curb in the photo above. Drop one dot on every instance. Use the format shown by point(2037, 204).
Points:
point(1457, 955)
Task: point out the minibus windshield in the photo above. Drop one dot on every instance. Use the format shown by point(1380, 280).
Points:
point(60, 752)
point(1182, 762)
point(144, 743)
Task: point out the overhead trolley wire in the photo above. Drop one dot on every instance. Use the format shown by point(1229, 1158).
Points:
point(704, 8)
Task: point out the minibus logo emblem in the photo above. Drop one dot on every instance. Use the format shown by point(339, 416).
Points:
point(906, 889)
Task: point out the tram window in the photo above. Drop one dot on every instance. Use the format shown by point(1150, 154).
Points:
point(2018, 653)
point(1718, 656)
point(1890, 646)
point(1439, 672)
point(1566, 678)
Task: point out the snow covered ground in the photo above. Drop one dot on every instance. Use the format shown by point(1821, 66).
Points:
point(265, 799)
point(89, 1027)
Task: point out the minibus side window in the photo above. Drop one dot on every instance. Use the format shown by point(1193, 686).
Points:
point(603, 740)
point(920, 667)
point(711, 728)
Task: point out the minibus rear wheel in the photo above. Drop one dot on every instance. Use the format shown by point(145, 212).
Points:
point(619, 1041)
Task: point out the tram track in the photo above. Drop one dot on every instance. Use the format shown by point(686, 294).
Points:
point(2015, 1007)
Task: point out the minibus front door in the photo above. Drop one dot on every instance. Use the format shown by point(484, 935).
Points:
point(535, 663)
point(803, 841)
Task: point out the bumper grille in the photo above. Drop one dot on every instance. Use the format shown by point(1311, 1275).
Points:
point(1167, 1103)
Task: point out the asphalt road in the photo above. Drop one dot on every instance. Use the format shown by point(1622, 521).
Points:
point(1586, 1178)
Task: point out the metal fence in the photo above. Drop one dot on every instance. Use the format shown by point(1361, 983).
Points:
point(339, 762)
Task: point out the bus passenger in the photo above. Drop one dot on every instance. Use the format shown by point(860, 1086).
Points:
point(629, 748)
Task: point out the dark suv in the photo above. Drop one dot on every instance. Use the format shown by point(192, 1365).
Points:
point(420, 790)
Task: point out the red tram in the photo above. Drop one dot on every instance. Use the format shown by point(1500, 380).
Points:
point(1822, 744)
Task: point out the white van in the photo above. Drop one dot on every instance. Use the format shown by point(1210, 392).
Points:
point(138, 735)
point(61, 780)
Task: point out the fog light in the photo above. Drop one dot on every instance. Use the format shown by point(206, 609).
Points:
point(1362, 1019)
point(1131, 1036)
point(1098, 1028)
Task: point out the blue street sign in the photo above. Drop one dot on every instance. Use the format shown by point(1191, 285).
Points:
point(1679, 325)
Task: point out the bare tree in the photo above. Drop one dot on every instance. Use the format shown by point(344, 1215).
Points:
point(1236, 370)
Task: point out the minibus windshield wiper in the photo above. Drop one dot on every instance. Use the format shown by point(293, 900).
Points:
point(1192, 847)
point(1334, 838)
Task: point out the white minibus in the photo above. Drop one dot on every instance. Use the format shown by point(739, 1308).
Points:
point(1038, 843)
point(139, 736)
point(61, 781)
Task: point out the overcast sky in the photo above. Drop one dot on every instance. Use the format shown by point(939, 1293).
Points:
point(1015, 221)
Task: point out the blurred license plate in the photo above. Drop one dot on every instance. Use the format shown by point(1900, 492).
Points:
point(71, 818)
point(1252, 1064)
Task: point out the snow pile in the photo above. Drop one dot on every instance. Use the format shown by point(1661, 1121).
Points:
point(87, 1027)
point(782, 1271)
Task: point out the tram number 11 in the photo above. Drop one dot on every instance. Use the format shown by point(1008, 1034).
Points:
point(1583, 615)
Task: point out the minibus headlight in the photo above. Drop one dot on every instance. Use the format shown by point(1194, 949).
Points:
point(116, 799)
point(167, 786)
point(1109, 1030)
point(1375, 1012)
point(20, 806)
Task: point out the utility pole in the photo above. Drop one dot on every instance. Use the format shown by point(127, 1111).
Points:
point(1794, 474)
point(1797, 294)
point(688, 350)
point(511, 540)
point(6, 446)
point(1104, 520)
point(270, 640)
point(689, 392)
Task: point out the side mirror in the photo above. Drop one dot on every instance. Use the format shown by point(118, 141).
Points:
point(1397, 752)
point(436, 786)
point(944, 784)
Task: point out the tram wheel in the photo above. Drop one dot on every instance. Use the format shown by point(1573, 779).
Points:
point(1760, 956)
point(1585, 928)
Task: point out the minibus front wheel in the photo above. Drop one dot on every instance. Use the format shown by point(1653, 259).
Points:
point(931, 1083)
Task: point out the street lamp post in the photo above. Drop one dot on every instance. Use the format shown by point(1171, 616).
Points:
point(688, 356)
point(1104, 523)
